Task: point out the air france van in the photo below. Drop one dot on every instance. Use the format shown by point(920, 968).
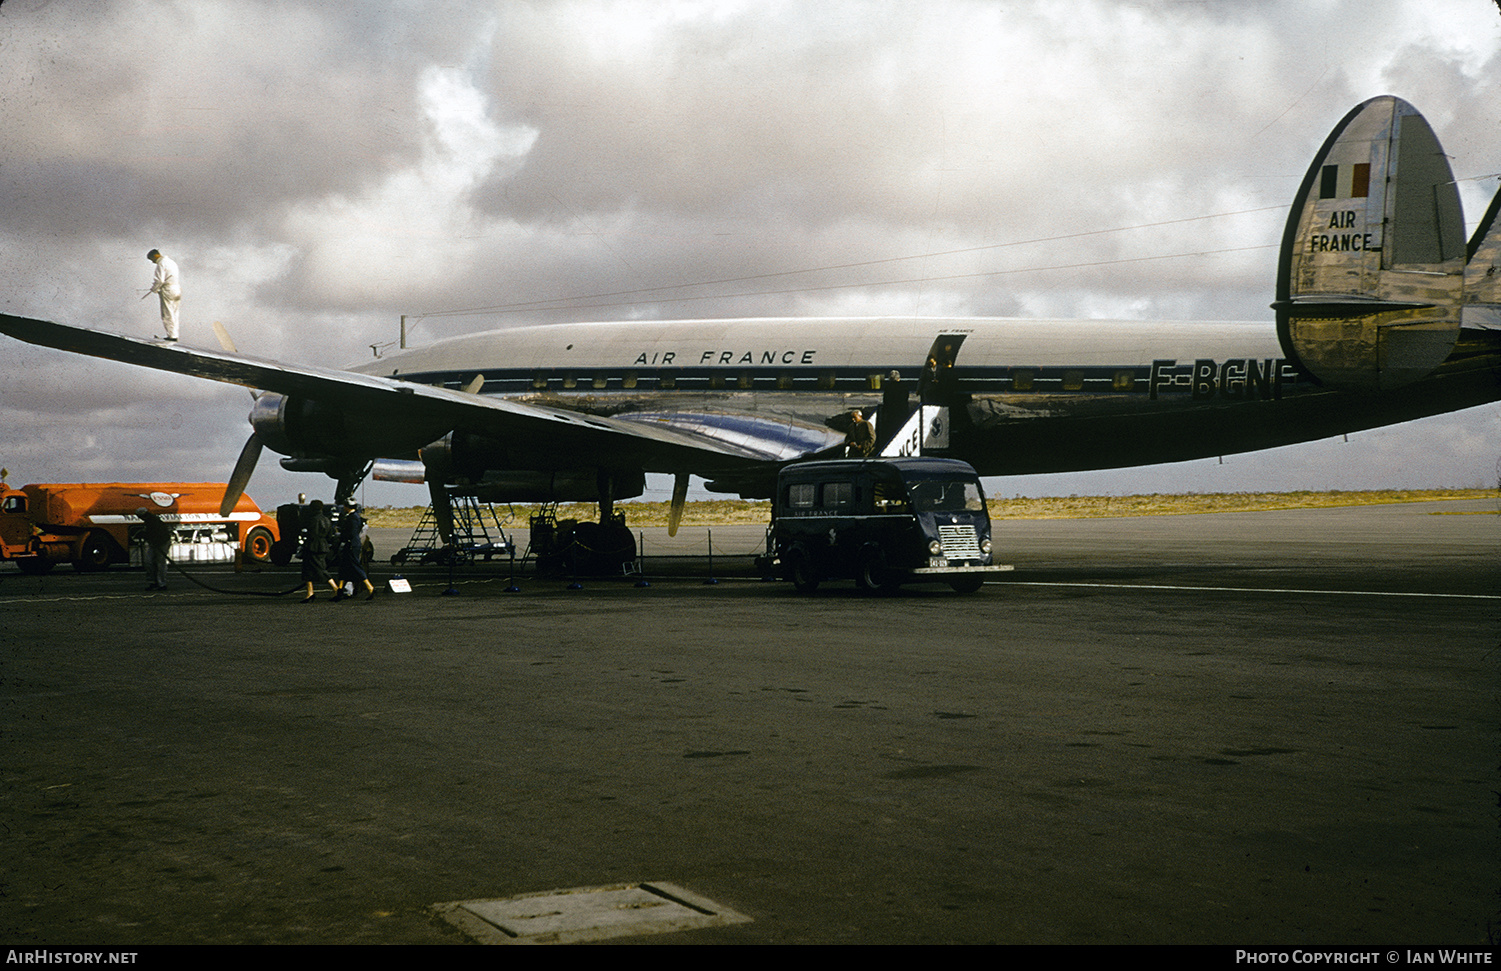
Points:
point(882, 523)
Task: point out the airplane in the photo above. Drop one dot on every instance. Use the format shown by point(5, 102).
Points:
point(1383, 314)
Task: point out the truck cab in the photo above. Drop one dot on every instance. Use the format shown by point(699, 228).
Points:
point(882, 523)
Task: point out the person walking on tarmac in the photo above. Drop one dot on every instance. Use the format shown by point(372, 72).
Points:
point(158, 538)
point(317, 542)
point(166, 285)
point(351, 543)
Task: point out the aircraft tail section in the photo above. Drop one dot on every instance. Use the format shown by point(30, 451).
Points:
point(1372, 274)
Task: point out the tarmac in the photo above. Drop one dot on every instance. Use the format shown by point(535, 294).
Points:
point(1237, 729)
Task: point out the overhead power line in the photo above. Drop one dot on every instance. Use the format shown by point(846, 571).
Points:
point(570, 302)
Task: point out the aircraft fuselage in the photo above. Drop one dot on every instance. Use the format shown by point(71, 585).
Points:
point(1029, 395)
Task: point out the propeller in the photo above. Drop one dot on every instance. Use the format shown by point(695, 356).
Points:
point(442, 508)
point(240, 478)
point(679, 496)
point(225, 341)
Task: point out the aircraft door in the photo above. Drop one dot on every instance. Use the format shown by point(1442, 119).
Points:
point(926, 429)
point(938, 371)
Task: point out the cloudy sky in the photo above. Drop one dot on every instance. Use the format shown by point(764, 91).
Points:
point(319, 170)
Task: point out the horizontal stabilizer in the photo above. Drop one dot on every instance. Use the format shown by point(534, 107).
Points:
point(1482, 306)
point(1370, 282)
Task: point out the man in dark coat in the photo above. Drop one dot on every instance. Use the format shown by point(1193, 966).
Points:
point(158, 537)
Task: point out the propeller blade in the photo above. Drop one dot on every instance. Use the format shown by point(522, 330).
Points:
point(238, 479)
point(442, 509)
point(679, 496)
point(228, 343)
point(225, 341)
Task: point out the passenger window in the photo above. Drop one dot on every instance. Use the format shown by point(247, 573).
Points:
point(569, 381)
point(1021, 380)
point(716, 381)
point(826, 380)
point(599, 381)
point(800, 495)
point(784, 380)
point(1125, 380)
point(836, 494)
point(629, 381)
point(745, 381)
point(667, 381)
point(1073, 380)
point(539, 380)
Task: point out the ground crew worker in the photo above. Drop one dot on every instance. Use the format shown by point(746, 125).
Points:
point(166, 285)
point(861, 437)
point(158, 537)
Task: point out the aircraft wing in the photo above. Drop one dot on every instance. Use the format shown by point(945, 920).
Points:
point(659, 441)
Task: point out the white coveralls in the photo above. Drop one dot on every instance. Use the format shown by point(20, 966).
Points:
point(166, 286)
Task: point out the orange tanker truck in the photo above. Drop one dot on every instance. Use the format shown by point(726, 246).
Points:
point(93, 525)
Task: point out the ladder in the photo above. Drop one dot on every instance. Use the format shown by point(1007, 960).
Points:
point(472, 524)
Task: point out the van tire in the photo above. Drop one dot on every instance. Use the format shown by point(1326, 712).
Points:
point(800, 572)
point(872, 575)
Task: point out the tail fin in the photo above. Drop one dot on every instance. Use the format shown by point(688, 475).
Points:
point(1371, 279)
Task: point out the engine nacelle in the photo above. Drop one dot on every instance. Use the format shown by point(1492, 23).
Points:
point(315, 434)
point(477, 466)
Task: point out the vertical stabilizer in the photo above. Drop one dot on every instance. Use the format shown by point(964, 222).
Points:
point(1370, 283)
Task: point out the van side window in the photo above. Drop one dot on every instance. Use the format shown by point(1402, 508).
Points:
point(890, 497)
point(800, 495)
point(837, 494)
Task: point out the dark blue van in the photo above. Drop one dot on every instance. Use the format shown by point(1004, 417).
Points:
point(882, 523)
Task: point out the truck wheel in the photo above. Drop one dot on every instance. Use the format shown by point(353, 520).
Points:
point(872, 576)
point(967, 583)
point(95, 554)
point(34, 565)
point(258, 544)
point(800, 570)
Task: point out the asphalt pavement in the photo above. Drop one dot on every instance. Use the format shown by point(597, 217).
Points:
point(1257, 728)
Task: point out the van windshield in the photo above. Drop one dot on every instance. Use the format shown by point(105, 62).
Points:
point(946, 495)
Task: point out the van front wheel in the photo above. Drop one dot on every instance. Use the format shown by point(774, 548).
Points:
point(873, 576)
